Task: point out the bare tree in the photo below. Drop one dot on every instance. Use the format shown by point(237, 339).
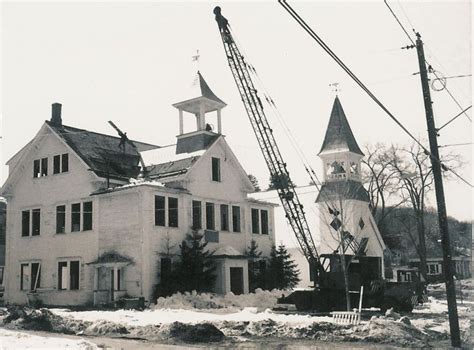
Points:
point(381, 181)
point(414, 172)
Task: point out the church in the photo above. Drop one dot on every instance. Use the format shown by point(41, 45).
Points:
point(93, 218)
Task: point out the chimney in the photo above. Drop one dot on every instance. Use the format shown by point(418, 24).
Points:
point(56, 115)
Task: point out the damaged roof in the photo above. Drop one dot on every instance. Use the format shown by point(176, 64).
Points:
point(339, 136)
point(102, 152)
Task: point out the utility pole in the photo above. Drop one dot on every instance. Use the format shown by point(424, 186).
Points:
point(438, 182)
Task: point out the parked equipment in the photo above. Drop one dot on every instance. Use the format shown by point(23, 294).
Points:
point(329, 290)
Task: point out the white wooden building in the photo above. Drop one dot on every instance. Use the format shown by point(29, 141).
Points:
point(80, 232)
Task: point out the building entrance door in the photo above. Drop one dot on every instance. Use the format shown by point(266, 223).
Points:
point(237, 280)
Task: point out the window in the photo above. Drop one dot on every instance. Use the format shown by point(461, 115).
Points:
point(65, 163)
point(44, 167)
point(216, 169)
point(36, 168)
point(40, 167)
point(30, 276)
point(159, 211)
point(255, 221)
point(87, 216)
point(68, 275)
point(172, 212)
point(30, 222)
point(60, 163)
point(197, 214)
point(75, 217)
point(264, 221)
point(36, 222)
point(224, 217)
point(56, 164)
point(25, 223)
point(235, 219)
point(60, 219)
point(210, 222)
point(434, 269)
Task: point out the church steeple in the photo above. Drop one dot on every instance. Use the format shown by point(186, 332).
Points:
point(340, 152)
point(201, 102)
point(339, 136)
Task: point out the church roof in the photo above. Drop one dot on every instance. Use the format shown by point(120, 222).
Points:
point(206, 90)
point(339, 136)
point(340, 190)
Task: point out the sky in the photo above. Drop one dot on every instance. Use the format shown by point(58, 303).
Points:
point(129, 62)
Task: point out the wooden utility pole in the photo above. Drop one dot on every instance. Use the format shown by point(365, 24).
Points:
point(438, 182)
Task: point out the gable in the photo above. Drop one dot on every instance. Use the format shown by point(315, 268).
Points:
point(234, 181)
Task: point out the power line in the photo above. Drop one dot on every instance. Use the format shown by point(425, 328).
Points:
point(326, 48)
point(457, 144)
point(452, 119)
point(429, 65)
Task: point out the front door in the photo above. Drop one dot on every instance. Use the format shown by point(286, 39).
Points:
point(237, 280)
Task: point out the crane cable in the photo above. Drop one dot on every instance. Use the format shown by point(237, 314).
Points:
point(326, 48)
point(279, 116)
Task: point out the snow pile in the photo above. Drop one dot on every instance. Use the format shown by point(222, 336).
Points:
point(260, 299)
point(19, 340)
point(383, 330)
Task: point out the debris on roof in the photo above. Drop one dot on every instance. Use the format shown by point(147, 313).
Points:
point(102, 153)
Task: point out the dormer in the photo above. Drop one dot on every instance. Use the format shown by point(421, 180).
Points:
point(202, 102)
point(340, 152)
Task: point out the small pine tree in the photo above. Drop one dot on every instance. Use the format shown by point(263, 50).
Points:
point(254, 182)
point(254, 260)
point(195, 269)
point(282, 272)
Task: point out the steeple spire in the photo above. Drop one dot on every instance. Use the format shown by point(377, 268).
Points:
point(339, 136)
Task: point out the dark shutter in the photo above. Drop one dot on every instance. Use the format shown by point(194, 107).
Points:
point(73, 275)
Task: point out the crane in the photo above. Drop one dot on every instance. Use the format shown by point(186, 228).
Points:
point(280, 177)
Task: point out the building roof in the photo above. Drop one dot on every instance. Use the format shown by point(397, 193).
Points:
point(206, 90)
point(111, 257)
point(200, 96)
point(339, 136)
point(102, 152)
point(340, 190)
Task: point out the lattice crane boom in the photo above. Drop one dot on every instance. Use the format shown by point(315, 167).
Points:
point(278, 170)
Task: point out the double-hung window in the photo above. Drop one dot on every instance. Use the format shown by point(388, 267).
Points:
point(31, 222)
point(61, 163)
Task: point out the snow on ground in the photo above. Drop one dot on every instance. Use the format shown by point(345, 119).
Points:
point(167, 316)
point(14, 340)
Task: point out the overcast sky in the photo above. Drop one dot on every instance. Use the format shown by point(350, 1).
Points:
point(129, 62)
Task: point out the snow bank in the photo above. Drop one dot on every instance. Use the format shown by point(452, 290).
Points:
point(260, 299)
point(168, 316)
point(10, 340)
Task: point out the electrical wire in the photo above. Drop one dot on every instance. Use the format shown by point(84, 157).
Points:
point(326, 48)
point(429, 65)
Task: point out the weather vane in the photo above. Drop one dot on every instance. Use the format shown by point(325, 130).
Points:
point(195, 58)
point(335, 87)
